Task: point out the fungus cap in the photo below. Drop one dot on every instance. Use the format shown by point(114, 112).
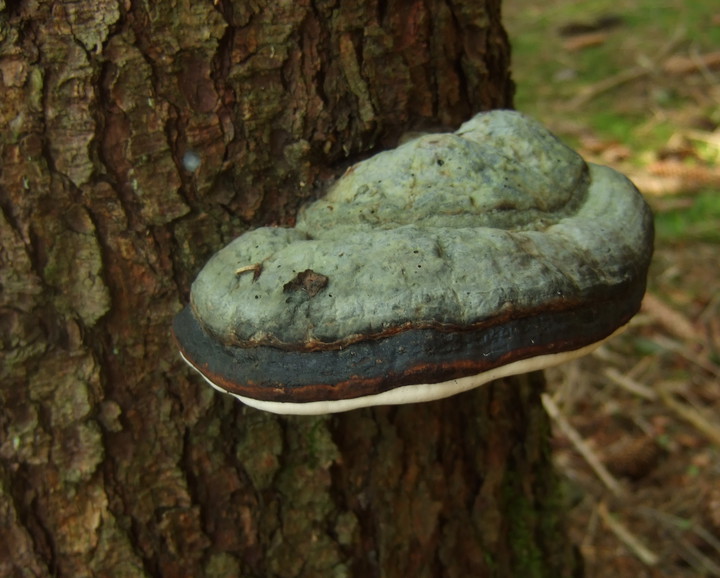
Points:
point(425, 271)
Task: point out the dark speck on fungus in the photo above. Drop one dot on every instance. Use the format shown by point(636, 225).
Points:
point(558, 271)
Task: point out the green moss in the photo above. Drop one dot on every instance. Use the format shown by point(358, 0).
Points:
point(323, 451)
point(259, 449)
point(222, 564)
point(534, 501)
point(700, 221)
point(527, 556)
point(490, 561)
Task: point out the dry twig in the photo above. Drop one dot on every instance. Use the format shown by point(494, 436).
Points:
point(682, 410)
point(631, 541)
point(693, 63)
point(607, 84)
point(629, 384)
point(692, 416)
point(625, 76)
point(677, 526)
point(680, 349)
point(583, 449)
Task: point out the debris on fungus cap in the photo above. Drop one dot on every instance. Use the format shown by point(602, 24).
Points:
point(425, 271)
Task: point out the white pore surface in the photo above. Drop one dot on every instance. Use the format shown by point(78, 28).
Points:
point(418, 392)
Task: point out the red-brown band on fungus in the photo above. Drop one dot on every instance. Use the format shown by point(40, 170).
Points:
point(425, 271)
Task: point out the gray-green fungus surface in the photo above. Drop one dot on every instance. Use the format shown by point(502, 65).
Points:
point(425, 271)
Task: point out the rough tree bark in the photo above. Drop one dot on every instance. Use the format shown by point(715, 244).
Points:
point(116, 460)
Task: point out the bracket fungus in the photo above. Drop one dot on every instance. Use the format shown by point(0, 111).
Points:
point(426, 270)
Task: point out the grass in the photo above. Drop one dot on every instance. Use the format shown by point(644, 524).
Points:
point(699, 222)
point(642, 113)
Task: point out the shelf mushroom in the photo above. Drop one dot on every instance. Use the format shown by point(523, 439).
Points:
point(427, 270)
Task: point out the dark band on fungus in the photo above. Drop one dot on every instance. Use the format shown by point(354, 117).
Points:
point(431, 356)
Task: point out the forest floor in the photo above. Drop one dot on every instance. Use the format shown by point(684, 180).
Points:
point(635, 84)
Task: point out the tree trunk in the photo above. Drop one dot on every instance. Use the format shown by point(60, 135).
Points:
point(116, 459)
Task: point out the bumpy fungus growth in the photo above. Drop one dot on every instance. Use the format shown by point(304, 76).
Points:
point(427, 270)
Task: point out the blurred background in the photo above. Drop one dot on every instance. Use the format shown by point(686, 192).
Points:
point(635, 84)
